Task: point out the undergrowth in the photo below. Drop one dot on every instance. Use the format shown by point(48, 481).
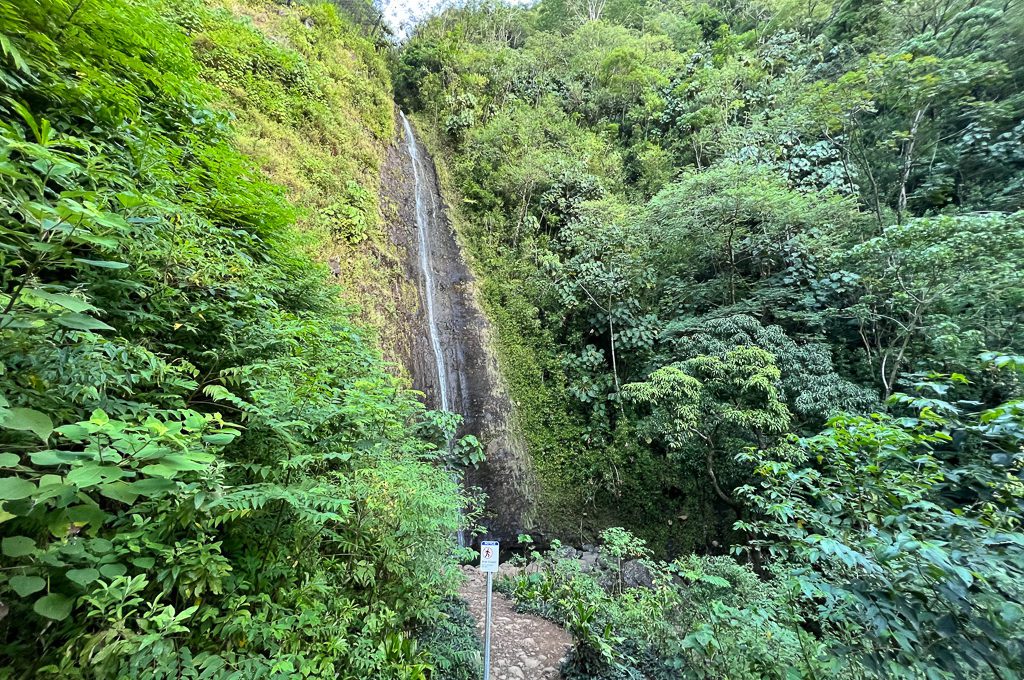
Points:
point(208, 470)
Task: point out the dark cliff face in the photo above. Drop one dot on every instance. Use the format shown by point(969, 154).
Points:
point(473, 384)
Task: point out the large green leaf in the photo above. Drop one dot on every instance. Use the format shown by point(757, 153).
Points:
point(119, 491)
point(29, 420)
point(17, 546)
point(57, 457)
point(9, 460)
point(53, 606)
point(220, 439)
point(97, 240)
point(74, 432)
point(113, 570)
point(83, 576)
point(82, 322)
point(160, 470)
point(15, 488)
point(98, 546)
point(87, 475)
point(182, 462)
point(152, 487)
point(105, 264)
point(26, 585)
point(87, 514)
point(69, 302)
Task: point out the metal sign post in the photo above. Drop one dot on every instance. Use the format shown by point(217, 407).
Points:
point(487, 630)
point(488, 565)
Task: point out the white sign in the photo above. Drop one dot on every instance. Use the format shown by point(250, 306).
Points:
point(489, 556)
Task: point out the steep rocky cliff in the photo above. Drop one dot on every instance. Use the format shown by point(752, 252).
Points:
point(447, 346)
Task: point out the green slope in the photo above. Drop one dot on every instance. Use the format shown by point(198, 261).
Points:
point(208, 470)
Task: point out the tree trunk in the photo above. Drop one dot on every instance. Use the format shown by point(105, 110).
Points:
point(908, 162)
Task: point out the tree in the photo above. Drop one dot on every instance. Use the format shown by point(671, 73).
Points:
point(604, 278)
point(808, 382)
point(723, 233)
point(936, 290)
point(710, 406)
point(904, 533)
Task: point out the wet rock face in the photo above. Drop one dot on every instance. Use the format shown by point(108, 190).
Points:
point(468, 367)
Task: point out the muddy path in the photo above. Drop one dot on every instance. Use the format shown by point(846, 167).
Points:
point(523, 646)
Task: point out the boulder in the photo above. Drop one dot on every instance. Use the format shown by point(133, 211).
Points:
point(636, 574)
point(588, 561)
point(569, 553)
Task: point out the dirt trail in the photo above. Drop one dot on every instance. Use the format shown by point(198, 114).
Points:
point(523, 647)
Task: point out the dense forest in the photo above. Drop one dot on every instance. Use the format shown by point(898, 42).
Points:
point(755, 271)
point(756, 267)
point(209, 471)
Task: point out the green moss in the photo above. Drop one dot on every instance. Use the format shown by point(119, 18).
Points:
point(312, 99)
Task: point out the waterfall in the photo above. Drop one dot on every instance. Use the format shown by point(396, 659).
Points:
point(424, 219)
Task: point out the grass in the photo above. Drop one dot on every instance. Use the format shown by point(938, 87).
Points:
point(320, 128)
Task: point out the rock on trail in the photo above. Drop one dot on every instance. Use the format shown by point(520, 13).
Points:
point(523, 646)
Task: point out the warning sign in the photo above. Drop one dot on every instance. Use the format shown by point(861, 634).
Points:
point(489, 556)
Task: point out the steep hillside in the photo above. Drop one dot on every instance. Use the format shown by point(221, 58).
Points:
point(208, 469)
point(313, 107)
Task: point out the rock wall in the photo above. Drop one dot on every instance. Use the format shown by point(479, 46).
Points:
point(473, 381)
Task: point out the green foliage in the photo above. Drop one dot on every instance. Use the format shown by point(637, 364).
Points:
point(938, 290)
point(727, 230)
point(440, 428)
point(453, 643)
point(894, 550)
point(879, 512)
point(632, 172)
point(702, 617)
point(808, 381)
point(208, 471)
point(705, 230)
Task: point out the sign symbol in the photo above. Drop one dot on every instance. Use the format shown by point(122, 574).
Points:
point(489, 556)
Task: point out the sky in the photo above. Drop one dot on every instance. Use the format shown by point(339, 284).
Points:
point(402, 14)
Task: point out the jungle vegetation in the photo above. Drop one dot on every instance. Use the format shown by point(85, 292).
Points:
point(756, 268)
point(208, 469)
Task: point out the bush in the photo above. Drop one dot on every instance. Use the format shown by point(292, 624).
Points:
point(704, 617)
point(453, 644)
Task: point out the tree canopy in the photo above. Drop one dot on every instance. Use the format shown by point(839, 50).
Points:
point(741, 256)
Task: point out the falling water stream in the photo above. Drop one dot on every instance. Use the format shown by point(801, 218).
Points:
point(424, 218)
